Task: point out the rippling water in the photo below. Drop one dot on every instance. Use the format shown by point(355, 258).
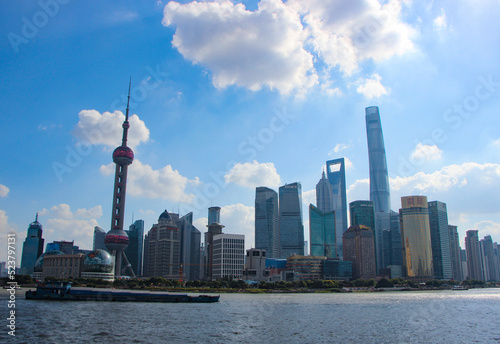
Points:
point(471, 316)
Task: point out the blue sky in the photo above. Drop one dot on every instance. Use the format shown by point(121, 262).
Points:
point(227, 96)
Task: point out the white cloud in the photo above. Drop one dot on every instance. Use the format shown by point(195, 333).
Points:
point(359, 190)
point(64, 224)
point(106, 129)
point(372, 87)
point(343, 33)
point(5, 229)
point(348, 164)
point(440, 22)
point(308, 197)
point(4, 191)
point(253, 174)
point(488, 228)
point(252, 49)
point(426, 153)
point(239, 219)
point(339, 147)
point(165, 183)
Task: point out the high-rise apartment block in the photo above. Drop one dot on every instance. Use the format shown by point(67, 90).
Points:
point(267, 230)
point(416, 237)
point(162, 247)
point(456, 261)
point(474, 266)
point(440, 240)
point(359, 248)
point(290, 220)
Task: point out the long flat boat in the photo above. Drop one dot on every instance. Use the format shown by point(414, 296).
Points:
point(64, 292)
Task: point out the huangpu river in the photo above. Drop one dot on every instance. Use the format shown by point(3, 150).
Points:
point(471, 316)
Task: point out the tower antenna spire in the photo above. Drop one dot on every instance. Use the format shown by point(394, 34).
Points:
point(126, 124)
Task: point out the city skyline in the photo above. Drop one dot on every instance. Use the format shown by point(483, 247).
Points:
point(205, 134)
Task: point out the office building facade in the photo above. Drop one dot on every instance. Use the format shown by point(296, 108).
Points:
point(290, 220)
point(359, 249)
point(228, 256)
point(472, 249)
point(324, 194)
point(335, 172)
point(190, 248)
point(456, 260)
point(322, 232)
point(32, 247)
point(416, 237)
point(135, 249)
point(267, 230)
point(440, 240)
point(98, 240)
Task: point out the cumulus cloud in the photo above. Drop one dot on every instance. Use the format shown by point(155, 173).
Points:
point(440, 22)
point(165, 183)
point(308, 197)
point(64, 224)
point(239, 219)
point(5, 229)
point(4, 191)
point(106, 129)
point(343, 33)
point(488, 228)
point(275, 45)
point(372, 87)
point(426, 153)
point(252, 49)
point(339, 147)
point(253, 174)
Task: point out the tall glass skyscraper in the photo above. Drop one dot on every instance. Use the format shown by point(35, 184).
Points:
point(324, 194)
point(335, 171)
point(290, 220)
point(379, 178)
point(440, 239)
point(474, 266)
point(267, 230)
point(416, 235)
point(134, 251)
point(322, 232)
point(456, 261)
point(190, 248)
point(32, 247)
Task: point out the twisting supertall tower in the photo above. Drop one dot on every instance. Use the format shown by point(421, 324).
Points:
point(117, 239)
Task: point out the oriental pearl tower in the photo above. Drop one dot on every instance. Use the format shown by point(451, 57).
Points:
point(116, 239)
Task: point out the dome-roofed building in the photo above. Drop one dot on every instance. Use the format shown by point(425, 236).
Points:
point(37, 270)
point(98, 264)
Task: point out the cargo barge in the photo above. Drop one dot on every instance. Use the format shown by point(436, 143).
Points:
point(63, 291)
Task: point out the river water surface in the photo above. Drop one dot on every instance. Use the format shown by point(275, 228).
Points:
point(471, 316)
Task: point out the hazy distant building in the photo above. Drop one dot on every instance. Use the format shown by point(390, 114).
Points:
point(324, 194)
point(32, 247)
point(98, 241)
point(290, 220)
point(336, 269)
point(67, 247)
point(322, 232)
point(134, 251)
point(190, 248)
point(335, 172)
point(416, 237)
point(359, 248)
point(307, 267)
point(228, 256)
point(465, 269)
point(474, 271)
point(255, 266)
point(489, 259)
point(162, 248)
point(267, 230)
point(456, 260)
point(440, 240)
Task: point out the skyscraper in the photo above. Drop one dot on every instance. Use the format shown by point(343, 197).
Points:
point(213, 215)
point(134, 251)
point(322, 232)
point(98, 241)
point(473, 255)
point(335, 171)
point(379, 178)
point(117, 240)
point(229, 256)
point(32, 247)
point(267, 236)
point(214, 228)
point(190, 248)
point(489, 260)
point(162, 247)
point(359, 248)
point(324, 194)
point(416, 237)
point(456, 261)
point(440, 240)
point(290, 220)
